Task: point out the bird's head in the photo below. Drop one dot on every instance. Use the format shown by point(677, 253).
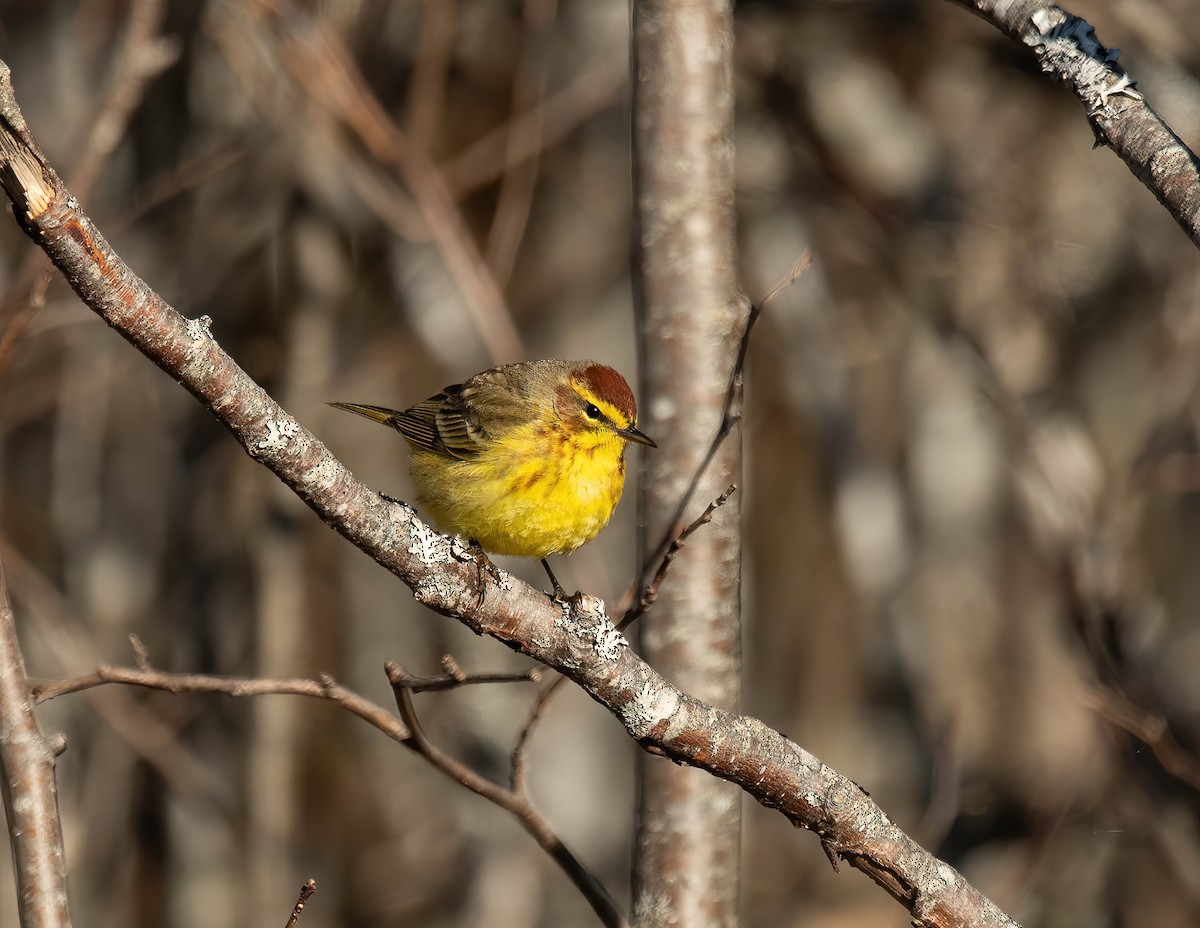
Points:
point(595, 398)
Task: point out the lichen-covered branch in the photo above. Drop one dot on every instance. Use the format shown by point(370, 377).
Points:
point(580, 642)
point(1068, 50)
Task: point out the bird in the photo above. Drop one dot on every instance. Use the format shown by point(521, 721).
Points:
point(525, 460)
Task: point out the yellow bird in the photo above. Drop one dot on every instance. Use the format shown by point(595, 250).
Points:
point(526, 459)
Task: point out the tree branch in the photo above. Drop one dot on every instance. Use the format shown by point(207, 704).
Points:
point(306, 892)
point(405, 730)
point(581, 642)
point(514, 801)
point(30, 797)
point(1067, 49)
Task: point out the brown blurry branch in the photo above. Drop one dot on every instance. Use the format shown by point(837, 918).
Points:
point(274, 45)
point(527, 134)
point(30, 797)
point(1067, 49)
point(514, 202)
point(143, 55)
point(324, 687)
point(579, 641)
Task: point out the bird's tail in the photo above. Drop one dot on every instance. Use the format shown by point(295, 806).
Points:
point(376, 413)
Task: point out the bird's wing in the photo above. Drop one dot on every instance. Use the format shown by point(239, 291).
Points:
point(418, 424)
point(464, 418)
point(459, 423)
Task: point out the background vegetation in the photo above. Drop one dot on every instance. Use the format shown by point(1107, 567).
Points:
point(971, 531)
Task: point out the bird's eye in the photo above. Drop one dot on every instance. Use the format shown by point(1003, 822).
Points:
point(592, 411)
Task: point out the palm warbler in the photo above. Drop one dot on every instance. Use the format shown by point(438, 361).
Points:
point(526, 459)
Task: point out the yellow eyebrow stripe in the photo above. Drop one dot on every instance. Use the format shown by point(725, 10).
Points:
point(609, 410)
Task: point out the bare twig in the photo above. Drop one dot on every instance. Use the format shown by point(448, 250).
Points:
point(730, 415)
point(672, 552)
point(628, 617)
point(30, 799)
point(455, 677)
point(320, 66)
point(517, 762)
point(511, 801)
point(323, 687)
point(399, 730)
point(1149, 728)
point(306, 893)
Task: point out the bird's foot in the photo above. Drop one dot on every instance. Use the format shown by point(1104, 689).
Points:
point(484, 563)
point(560, 595)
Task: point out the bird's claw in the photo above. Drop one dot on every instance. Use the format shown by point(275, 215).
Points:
point(571, 602)
point(483, 563)
point(560, 595)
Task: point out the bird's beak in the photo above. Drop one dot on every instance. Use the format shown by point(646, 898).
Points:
point(632, 434)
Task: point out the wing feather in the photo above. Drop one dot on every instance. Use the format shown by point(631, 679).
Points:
point(462, 420)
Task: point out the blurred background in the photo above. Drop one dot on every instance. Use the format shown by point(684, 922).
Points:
point(972, 549)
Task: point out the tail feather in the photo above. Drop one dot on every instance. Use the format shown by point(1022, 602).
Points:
point(379, 414)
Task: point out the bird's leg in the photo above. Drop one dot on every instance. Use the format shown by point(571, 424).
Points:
point(483, 562)
point(560, 595)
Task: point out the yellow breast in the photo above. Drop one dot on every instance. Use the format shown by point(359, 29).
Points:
point(535, 492)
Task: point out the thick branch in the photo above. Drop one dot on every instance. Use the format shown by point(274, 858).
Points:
point(1067, 48)
point(581, 643)
point(690, 312)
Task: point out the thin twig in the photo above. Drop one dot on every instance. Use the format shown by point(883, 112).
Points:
point(517, 764)
point(306, 892)
point(323, 687)
point(730, 416)
point(511, 801)
point(637, 599)
point(401, 730)
point(455, 677)
point(651, 593)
